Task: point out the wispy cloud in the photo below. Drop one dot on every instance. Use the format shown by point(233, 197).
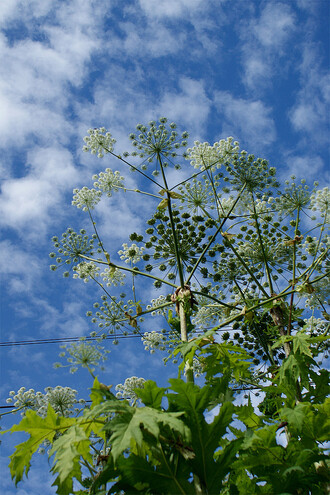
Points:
point(19, 267)
point(27, 203)
point(264, 42)
point(248, 120)
point(170, 8)
point(310, 113)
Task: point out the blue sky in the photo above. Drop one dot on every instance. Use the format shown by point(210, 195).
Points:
point(254, 70)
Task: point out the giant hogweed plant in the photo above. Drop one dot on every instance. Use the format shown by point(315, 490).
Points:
point(243, 270)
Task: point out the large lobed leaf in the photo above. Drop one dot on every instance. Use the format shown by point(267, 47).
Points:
point(40, 430)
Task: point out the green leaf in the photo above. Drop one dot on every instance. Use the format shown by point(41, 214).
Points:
point(128, 427)
point(137, 473)
point(39, 429)
point(175, 195)
point(300, 343)
point(68, 449)
point(163, 204)
point(206, 436)
point(295, 416)
point(99, 392)
point(150, 394)
point(248, 416)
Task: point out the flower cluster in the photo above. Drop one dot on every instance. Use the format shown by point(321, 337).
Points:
point(84, 354)
point(317, 294)
point(154, 340)
point(253, 173)
point(197, 196)
point(225, 205)
point(86, 198)
point(295, 197)
point(315, 326)
point(108, 181)
point(155, 303)
point(208, 315)
point(127, 390)
point(155, 141)
point(131, 254)
point(99, 142)
point(112, 316)
point(61, 399)
point(160, 246)
point(113, 276)
point(86, 271)
point(23, 399)
point(71, 247)
point(320, 200)
point(206, 157)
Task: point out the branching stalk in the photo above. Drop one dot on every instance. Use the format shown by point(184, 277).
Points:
point(214, 236)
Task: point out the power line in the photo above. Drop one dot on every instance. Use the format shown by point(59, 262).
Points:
point(64, 340)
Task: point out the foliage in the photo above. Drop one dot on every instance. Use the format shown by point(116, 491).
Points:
point(246, 270)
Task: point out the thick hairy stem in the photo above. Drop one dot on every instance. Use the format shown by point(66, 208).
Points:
point(184, 338)
point(278, 318)
point(199, 488)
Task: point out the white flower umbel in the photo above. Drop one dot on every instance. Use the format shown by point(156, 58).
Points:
point(127, 390)
point(315, 325)
point(86, 271)
point(86, 198)
point(61, 399)
point(155, 303)
point(108, 181)
point(99, 142)
point(208, 315)
point(153, 340)
point(113, 276)
point(23, 399)
point(225, 206)
point(320, 294)
point(204, 156)
point(85, 354)
point(131, 254)
point(320, 200)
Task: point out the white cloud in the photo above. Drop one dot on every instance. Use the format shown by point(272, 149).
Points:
point(19, 267)
point(190, 106)
point(310, 114)
point(67, 321)
point(274, 26)
point(304, 167)
point(58, 39)
point(170, 8)
point(27, 203)
point(151, 41)
point(264, 41)
point(249, 121)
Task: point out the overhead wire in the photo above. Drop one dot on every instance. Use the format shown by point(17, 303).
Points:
point(77, 339)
